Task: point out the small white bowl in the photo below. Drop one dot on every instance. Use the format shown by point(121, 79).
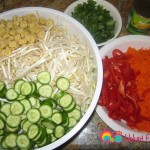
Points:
point(122, 43)
point(108, 6)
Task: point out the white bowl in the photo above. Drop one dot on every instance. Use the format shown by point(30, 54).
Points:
point(73, 28)
point(122, 43)
point(108, 6)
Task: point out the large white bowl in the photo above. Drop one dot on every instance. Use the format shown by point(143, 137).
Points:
point(122, 43)
point(108, 6)
point(74, 28)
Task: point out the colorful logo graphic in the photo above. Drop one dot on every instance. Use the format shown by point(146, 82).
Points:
point(107, 137)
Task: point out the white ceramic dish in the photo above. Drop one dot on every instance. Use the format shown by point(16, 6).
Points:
point(113, 12)
point(122, 43)
point(74, 28)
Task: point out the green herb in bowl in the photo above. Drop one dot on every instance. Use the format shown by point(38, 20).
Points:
point(96, 19)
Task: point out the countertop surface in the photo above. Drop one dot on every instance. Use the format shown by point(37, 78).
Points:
point(88, 137)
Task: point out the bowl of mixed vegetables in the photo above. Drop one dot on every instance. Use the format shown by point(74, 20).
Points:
point(99, 17)
point(124, 101)
point(50, 78)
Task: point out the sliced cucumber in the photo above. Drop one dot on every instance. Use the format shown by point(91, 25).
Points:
point(63, 83)
point(22, 141)
point(65, 100)
point(72, 122)
point(13, 121)
point(25, 125)
point(16, 108)
point(26, 88)
point(46, 111)
point(45, 91)
point(33, 115)
point(44, 77)
point(2, 123)
point(48, 124)
point(33, 131)
point(18, 85)
point(10, 140)
point(11, 94)
point(59, 94)
point(27, 105)
point(57, 118)
point(71, 107)
point(33, 101)
point(59, 131)
point(3, 115)
point(2, 86)
point(5, 108)
point(75, 114)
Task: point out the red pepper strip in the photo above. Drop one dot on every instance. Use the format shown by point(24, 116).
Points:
point(119, 94)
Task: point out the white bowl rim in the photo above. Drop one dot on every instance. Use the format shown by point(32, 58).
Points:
point(103, 2)
point(115, 125)
point(91, 108)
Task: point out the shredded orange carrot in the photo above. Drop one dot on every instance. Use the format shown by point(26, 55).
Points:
point(140, 62)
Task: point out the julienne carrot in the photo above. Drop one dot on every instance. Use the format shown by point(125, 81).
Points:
point(126, 87)
point(140, 62)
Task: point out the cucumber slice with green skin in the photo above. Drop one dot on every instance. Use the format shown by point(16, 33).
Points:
point(75, 114)
point(10, 129)
point(11, 94)
point(25, 125)
point(54, 103)
point(48, 124)
point(66, 100)
point(5, 108)
point(59, 94)
point(72, 122)
point(2, 123)
point(43, 143)
point(53, 138)
point(48, 131)
point(34, 88)
point(3, 116)
point(33, 115)
point(59, 131)
point(1, 133)
point(45, 91)
point(18, 85)
point(10, 140)
point(37, 104)
point(46, 111)
point(55, 110)
point(27, 105)
point(13, 121)
point(2, 86)
point(20, 97)
point(44, 77)
point(16, 108)
point(26, 88)
point(33, 101)
point(38, 84)
point(57, 117)
point(22, 141)
point(33, 131)
point(41, 135)
point(65, 117)
point(63, 83)
point(3, 143)
point(71, 107)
